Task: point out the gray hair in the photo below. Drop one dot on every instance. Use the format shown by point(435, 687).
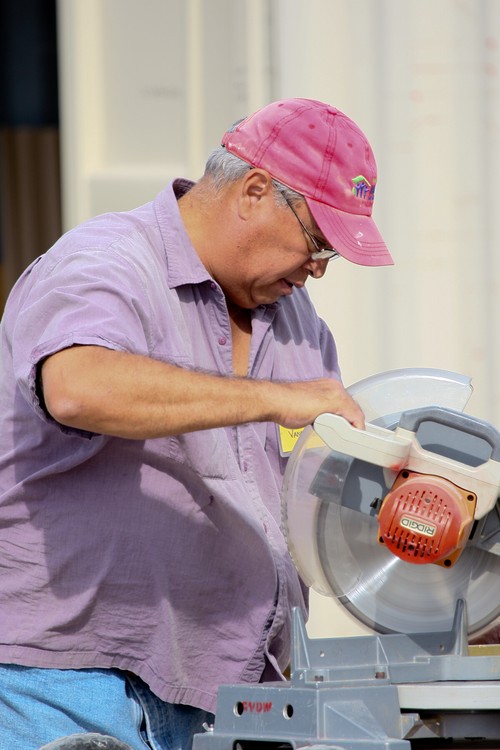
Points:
point(224, 167)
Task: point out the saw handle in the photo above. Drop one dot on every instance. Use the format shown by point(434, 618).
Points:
point(411, 420)
point(377, 445)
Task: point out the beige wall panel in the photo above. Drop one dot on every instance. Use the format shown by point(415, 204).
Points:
point(147, 89)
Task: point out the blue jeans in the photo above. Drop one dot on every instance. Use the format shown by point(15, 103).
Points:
point(38, 706)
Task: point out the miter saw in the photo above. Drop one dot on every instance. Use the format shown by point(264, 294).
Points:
point(400, 524)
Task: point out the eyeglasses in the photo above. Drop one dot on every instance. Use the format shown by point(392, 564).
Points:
point(320, 253)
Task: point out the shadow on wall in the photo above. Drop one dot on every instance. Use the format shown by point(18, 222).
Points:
point(30, 190)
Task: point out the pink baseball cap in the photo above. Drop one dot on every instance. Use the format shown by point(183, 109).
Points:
point(321, 153)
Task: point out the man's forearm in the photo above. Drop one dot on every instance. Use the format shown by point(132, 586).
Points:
point(132, 396)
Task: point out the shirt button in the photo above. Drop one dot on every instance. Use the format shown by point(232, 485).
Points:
point(245, 466)
point(222, 340)
point(213, 285)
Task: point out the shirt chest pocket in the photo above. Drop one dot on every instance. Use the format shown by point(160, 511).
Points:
point(205, 452)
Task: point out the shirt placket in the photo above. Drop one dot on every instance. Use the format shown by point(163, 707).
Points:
point(261, 366)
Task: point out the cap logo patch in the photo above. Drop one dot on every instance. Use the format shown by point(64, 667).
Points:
point(363, 188)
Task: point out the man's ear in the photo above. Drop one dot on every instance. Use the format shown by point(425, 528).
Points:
point(255, 185)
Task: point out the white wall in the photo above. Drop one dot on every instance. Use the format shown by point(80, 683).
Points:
point(147, 89)
point(148, 86)
point(422, 79)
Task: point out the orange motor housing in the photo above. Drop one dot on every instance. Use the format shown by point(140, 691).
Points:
point(426, 519)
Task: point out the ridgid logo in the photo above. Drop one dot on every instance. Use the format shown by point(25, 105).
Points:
point(362, 188)
point(426, 529)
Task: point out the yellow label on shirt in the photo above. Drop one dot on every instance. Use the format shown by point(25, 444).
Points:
point(287, 439)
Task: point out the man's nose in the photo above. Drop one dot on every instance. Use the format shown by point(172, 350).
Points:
point(316, 268)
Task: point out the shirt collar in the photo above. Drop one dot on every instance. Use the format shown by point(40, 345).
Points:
point(183, 262)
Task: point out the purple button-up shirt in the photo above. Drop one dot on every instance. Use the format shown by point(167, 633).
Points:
point(164, 557)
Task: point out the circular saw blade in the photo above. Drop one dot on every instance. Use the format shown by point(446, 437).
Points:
point(332, 530)
point(386, 593)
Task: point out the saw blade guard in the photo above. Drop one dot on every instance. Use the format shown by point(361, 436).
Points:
point(333, 535)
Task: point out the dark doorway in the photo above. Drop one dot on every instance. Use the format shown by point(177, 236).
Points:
point(30, 191)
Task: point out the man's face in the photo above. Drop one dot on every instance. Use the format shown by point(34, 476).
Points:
point(276, 258)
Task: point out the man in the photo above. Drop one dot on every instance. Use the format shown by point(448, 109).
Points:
point(148, 361)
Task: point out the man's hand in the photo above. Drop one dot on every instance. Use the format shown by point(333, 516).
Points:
point(304, 401)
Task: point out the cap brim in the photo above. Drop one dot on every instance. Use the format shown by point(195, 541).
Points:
point(354, 236)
